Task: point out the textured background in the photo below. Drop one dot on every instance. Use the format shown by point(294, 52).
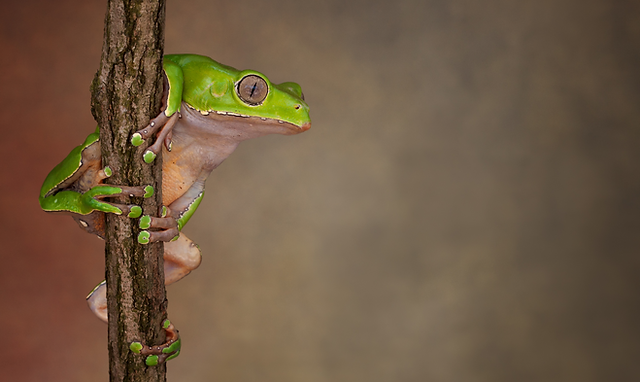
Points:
point(464, 208)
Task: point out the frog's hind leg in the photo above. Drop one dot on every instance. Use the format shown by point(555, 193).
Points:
point(180, 258)
point(97, 301)
point(93, 223)
point(154, 355)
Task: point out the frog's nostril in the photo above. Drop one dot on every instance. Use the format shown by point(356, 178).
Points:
point(297, 107)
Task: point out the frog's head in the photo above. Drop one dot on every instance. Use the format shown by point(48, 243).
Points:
point(284, 102)
point(244, 98)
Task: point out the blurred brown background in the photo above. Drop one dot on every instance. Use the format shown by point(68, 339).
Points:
point(464, 208)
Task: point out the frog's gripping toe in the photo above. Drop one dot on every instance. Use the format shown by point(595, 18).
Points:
point(156, 355)
point(94, 198)
point(164, 229)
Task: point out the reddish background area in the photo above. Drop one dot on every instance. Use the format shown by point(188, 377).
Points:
point(464, 208)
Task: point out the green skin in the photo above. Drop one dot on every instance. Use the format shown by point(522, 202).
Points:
point(209, 108)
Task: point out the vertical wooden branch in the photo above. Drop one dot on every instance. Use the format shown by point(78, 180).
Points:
point(126, 93)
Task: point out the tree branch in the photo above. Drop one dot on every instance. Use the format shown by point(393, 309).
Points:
point(126, 93)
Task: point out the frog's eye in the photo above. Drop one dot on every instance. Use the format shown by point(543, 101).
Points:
point(252, 89)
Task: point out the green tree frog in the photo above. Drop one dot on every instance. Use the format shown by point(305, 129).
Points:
point(208, 109)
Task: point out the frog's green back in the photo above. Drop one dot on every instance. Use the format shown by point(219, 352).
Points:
point(198, 62)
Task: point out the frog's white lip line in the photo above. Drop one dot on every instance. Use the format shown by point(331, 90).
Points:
point(304, 127)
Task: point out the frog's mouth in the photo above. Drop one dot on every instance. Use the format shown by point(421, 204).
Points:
point(230, 117)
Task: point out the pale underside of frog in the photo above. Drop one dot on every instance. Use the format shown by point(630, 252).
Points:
point(209, 108)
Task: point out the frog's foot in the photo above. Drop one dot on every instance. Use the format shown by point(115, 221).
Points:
point(94, 198)
point(158, 354)
point(165, 126)
point(165, 229)
point(140, 136)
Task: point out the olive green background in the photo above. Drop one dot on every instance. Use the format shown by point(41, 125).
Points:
point(464, 208)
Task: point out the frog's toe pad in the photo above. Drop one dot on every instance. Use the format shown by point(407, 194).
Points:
point(136, 347)
point(149, 156)
point(145, 222)
point(151, 360)
point(135, 211)
point(105, 173)
point(148, 191)
point(143, 237)
point(137, 139)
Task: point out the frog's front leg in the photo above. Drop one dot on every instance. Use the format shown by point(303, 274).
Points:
point(162, 124)
point(94, 221)
point(166, 120)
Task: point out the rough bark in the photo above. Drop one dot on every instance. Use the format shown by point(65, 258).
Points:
point(126, 93)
